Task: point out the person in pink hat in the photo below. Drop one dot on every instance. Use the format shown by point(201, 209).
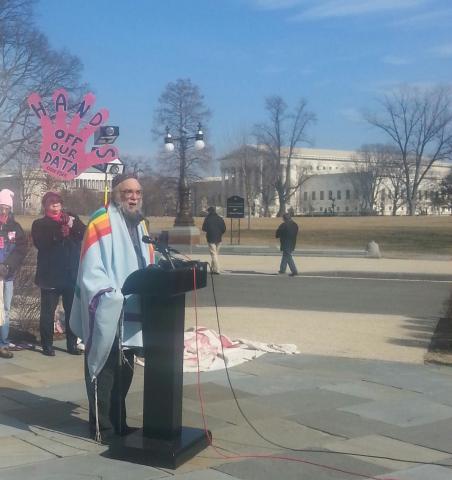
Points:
point(58, 237)
point(13, 247)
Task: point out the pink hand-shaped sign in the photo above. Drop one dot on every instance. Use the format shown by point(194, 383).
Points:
point(62, 152)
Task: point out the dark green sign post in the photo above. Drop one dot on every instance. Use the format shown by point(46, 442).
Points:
point(235, 208)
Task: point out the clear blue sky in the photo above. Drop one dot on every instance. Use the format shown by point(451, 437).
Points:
point(338, 54)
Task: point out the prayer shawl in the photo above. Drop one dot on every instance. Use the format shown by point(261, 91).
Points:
point(107, 258)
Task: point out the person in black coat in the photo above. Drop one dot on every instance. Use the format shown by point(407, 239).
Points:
point(58, 237)
point(287, 233)
point(13, 248)
point(214, 227)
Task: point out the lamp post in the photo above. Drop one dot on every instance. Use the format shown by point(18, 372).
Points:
point(184, 216)
point(333, 204)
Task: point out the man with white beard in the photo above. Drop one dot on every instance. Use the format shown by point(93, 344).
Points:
point(112, 249)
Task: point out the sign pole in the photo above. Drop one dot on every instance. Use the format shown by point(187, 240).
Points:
point(231, 232)
point(235, 208)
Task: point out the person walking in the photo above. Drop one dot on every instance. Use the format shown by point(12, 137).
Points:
point(287, 233)
point(58, 238)
point(214, 227)
point(109, 323)
point(13, 248)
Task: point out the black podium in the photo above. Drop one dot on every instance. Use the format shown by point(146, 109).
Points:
point(163, 441)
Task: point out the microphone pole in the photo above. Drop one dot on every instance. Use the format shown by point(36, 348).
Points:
point(164, 250)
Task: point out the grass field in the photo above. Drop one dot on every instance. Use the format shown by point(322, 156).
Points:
point(423, 235)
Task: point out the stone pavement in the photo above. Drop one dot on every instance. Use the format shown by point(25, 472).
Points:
point(388, 420)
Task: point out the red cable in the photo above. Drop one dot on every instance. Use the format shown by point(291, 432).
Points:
point(256, 455)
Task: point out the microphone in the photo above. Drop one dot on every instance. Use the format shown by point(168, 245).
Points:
point(158, 246)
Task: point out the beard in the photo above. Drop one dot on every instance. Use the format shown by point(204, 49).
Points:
point(134, 214)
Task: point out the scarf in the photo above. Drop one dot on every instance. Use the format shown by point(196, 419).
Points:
point(107, 258)
point(55, 216)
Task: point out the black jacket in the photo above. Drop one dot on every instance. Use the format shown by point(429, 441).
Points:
point(214, 227)
point(287, 233)
point(13, 245)
point(58, 256)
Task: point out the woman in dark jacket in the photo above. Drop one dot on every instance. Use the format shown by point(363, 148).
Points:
point(13, 247)
point(58, 237)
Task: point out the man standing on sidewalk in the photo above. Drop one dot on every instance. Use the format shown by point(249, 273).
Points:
point(287, 233)
point(214, 227)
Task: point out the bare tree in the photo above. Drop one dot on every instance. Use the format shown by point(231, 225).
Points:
point(247, 164)
point(181, 110)
point(443, 198)
point(29, 178)
point(419, 123)
point(83, 201)
point(279, 137)
point(249, 167)
point(136, 164)
point(368, 173)
point(27, 64)
point(395, 178)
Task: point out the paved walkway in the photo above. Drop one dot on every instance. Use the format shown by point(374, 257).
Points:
point(389, 420)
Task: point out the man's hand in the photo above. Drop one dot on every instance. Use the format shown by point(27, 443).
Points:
point(62, 152)
point(3, 270)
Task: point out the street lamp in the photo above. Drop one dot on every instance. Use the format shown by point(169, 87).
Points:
point(184, 217)
point(333, 203)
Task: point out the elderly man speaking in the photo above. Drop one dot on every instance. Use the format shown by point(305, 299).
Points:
point(106, 320)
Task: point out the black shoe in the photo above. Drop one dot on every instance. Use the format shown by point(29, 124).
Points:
point(293, 274)
point(74, 351)
point(281, 273)
point(49, 351)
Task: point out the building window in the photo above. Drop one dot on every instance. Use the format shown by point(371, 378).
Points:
point(347, 194)
point(346, 209)
point(330, 195)
point(305, 196)
point(339, 195)
point(322, 195)
point(312, 195)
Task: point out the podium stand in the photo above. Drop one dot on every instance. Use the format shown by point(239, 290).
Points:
point(163, 441)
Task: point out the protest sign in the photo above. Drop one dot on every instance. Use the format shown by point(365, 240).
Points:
point(62, 153)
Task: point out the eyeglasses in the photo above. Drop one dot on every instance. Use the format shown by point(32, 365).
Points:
point(129, 193)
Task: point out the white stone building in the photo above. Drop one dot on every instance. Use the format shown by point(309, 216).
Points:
point(328, 183)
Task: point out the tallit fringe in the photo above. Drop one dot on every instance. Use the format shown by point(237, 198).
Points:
point(98, 436)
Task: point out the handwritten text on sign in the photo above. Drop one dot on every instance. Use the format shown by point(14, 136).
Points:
point(62, 152)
